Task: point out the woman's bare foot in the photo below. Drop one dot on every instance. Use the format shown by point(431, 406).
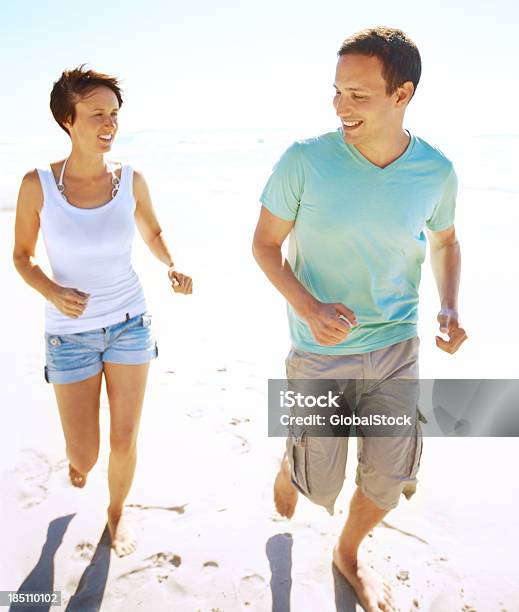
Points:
point(123, 537)
point(285, 494)
point(76, 477)
point(373, 592)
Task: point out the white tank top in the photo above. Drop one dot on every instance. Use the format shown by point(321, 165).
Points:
point(90, 249)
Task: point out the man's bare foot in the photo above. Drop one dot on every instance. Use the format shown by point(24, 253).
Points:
point(123, 537)
point(373, 592)
point(285, 494)
point(76, 477)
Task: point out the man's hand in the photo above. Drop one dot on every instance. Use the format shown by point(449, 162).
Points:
point(448, 320)
point(180, 283)
point(329, 323)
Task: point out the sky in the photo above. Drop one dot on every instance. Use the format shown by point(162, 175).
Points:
point(241, 64)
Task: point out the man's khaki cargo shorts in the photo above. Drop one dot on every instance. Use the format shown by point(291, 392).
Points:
point(387, 466)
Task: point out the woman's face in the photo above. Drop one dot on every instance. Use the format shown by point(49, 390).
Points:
point(95, 124)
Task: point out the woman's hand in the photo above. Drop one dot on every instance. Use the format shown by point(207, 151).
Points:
point(180, 283)
point(71, 302)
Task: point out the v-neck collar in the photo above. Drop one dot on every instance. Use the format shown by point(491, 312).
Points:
point(355, 153)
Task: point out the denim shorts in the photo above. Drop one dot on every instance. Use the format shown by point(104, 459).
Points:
point(74, 357)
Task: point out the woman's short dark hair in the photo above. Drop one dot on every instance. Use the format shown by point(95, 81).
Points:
point(398, 54)
point(73, 85)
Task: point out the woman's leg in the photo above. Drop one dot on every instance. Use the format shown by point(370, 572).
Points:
point(125, 385)
point(78, 405)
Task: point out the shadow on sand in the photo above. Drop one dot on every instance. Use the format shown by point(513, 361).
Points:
point(91, 587)
point(345, 597)
point(279, 554)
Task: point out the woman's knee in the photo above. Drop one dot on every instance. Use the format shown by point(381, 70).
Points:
point(123, 443)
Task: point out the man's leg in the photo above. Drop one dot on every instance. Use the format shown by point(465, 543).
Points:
point(388, 461)
point(317, 464)
point(373, 592)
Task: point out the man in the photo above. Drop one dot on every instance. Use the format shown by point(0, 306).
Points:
point(355, 203)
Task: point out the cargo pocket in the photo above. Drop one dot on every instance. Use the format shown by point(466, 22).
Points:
point(410, 488)
point(418, 450)
point(298, 451)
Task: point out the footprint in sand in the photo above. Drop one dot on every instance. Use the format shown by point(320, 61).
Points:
point(252, 587)
point(162, 559)
point(165, 561)
point(158, 567)
point(237, 421)
point(30, 478)
point(234, 442)
point(84, 550)
point(161, 564)
point(177, 509)
point(210, 568)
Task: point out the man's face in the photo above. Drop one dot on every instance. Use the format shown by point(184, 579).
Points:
point(367, 113)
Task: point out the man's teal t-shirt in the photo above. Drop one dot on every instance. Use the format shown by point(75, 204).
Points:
point(358, 236)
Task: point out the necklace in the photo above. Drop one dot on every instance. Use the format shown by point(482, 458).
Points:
point(61, 187)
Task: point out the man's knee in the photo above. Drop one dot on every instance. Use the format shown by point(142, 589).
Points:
point(385, 480)
point(384, 490)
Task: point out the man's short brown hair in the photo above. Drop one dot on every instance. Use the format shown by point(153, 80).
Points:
point(398, 54)
point(73, 85)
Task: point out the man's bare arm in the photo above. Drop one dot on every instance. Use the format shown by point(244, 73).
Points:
point(323, 319)
point(271, 232)
point(446, 266)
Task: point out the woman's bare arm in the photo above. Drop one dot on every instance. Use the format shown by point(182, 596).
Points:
point(70, 302)
point(151, 232)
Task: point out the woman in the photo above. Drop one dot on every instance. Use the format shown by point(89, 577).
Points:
point(96, 318)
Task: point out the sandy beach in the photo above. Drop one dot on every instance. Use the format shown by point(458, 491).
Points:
point(209, 537)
